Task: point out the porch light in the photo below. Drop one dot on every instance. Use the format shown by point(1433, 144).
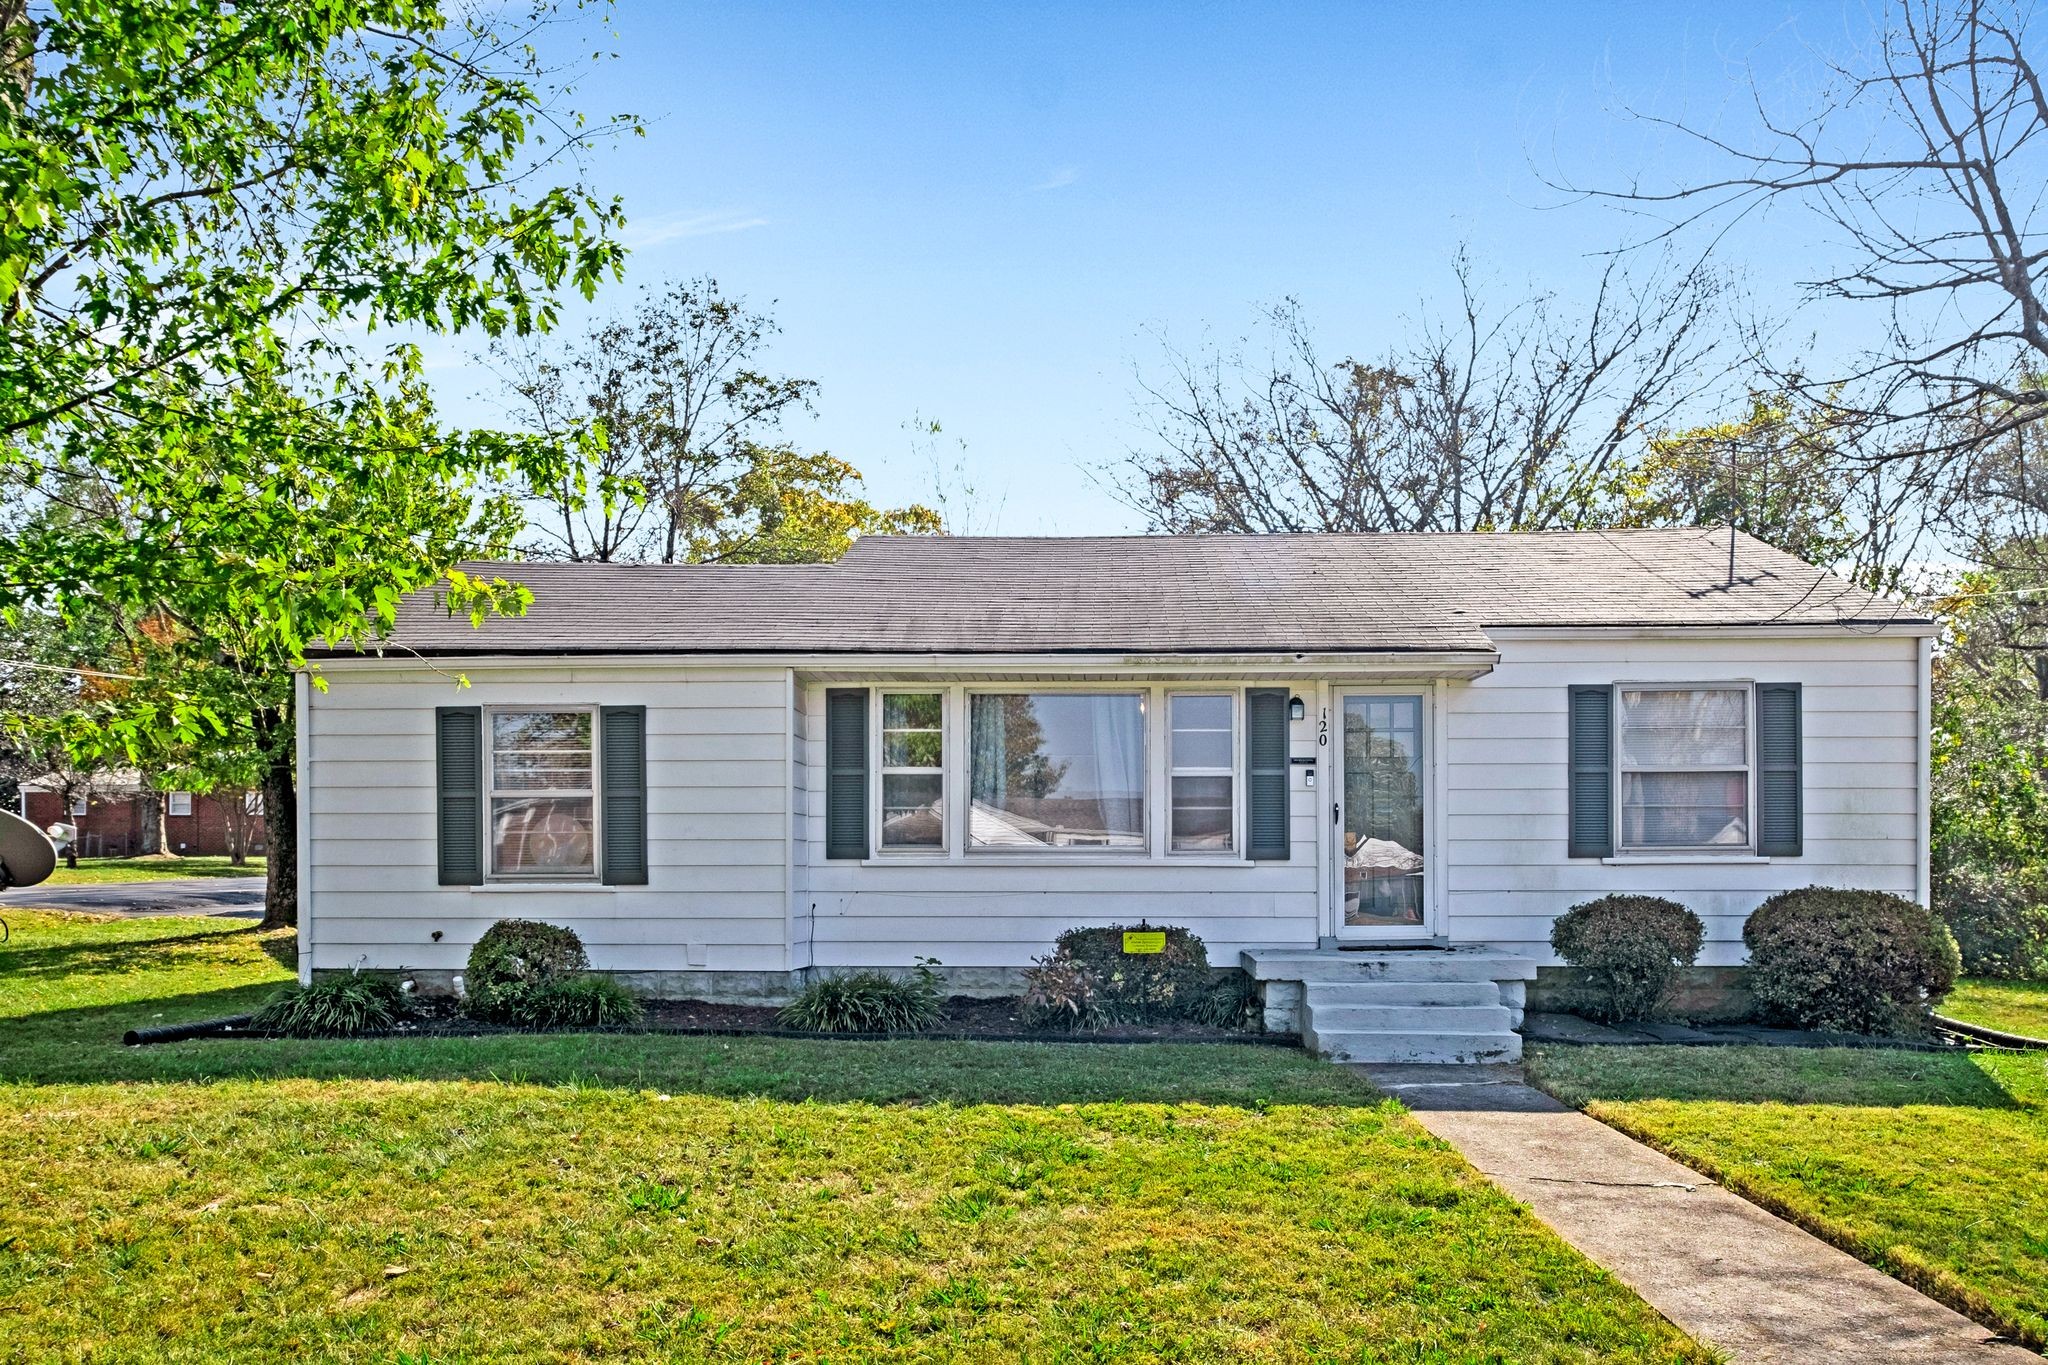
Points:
point(1296, 709)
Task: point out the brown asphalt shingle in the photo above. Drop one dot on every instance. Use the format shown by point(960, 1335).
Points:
point(1157, 594)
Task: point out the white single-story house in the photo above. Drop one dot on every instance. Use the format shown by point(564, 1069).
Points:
point(1331, 756)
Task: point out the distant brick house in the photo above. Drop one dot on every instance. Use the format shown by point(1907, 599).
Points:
point(114, 820)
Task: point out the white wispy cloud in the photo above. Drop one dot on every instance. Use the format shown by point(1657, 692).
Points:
point(1060, 178)
point(672, 227)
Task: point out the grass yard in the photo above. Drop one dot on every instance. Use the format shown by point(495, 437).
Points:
point(2013, 1006)
point(1933, 1167)
point(93, 870)
point(645, 1198)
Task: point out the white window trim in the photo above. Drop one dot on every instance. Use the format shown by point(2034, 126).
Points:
point(1688, 853)
point(80, 805)
point(171, 804)
point(877, 750)
point(490, 793)
point(1235, 772)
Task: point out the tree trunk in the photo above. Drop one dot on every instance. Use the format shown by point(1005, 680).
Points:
point(150, 831)
point(281, 825)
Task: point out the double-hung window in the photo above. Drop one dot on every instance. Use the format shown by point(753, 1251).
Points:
point(542, 780)
point(181, 803)
point(1201, 752)
point(1683, 770)
point(1056, 770)
point(913, 770)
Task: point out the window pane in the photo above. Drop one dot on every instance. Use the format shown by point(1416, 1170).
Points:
point(1684, 728)
point(541, 834)
point(911, 711)
point(1684, 810)
point(912, 816)
point(1201, 732)
point(913, 749)
point(1201, 813)
point(540, 750)
point(1057, 770)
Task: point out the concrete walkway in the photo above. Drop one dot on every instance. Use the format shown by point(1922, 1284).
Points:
point(1729, 1274)
point(233, 897)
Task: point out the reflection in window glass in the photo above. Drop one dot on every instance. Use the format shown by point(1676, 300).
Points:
point(913, 770)
point(542, 780)
point(1059, 770)
point(1383, 855)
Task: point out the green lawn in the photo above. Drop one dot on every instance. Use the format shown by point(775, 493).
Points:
point(92, 870)
point(647, 1198)
point(2014, 1006)
point(1931, 1166)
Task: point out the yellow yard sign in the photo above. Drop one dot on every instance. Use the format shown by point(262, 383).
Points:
point(1144, 940)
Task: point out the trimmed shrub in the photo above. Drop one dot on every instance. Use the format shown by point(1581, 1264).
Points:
point(334, 1007)
point(1628, 949)
point(868, 1002)
point(581, 1002)
point(514, 960)
point(1134, 986)
point(1849, 961)
point(1999, 920)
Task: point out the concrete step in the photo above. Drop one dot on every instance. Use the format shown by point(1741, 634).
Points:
point(1444, 1049)
point(1410, 1019)
point(1322, 994)
point(1412, 966)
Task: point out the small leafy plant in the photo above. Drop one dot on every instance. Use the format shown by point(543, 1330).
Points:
point(868, 1002)
point(1628, 949)
point(1059, 993)
point(334, 1007)
point(582, 1002)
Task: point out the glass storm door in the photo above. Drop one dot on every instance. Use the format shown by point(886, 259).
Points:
point(1380, 848)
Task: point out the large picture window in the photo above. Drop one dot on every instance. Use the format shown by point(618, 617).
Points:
point(913, 770)
point(543, 774)
point(1684, 767)
point(1202, 751)
point(1057, 770)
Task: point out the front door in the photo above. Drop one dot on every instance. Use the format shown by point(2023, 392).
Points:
point(1380, 799)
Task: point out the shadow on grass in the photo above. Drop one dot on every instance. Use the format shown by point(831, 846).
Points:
point(76, 960)
point(1872, 1078)
point(81, 1046)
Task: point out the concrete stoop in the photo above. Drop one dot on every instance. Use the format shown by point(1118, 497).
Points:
point(1445, 1005)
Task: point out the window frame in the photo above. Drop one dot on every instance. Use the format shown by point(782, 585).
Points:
point(171, 804)
point(1623, 769)
point(490, 794)
point(1151, 715)
point(1233, 850)
point(79, 806)
point(878, 770)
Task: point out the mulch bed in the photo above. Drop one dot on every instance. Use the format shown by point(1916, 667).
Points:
point(965, 1017)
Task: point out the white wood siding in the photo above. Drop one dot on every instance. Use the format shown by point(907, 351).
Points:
point(718, 778)
point(1508, 876)
point(972, 912)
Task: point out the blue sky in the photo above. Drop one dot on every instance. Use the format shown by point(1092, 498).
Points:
point(978, 213)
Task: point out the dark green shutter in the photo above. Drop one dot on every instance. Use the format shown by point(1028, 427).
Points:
point(1265, 768)
point(459, 789)
point(1779, 816)
point(1590, 782)
point(846, 773)
point(622, 768)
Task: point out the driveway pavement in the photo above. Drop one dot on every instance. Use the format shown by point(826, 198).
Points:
point(233, 897)
point(1728, 1273)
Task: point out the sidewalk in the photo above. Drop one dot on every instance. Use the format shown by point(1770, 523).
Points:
point(1729, 1274)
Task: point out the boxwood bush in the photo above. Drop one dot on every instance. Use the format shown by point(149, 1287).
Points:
point(2000, 920)
point(1849, 961)
point(535, 975)
point(1089, 980)
point(1628, 950)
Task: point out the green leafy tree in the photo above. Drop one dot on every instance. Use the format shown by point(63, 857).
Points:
point(206, 203)
point(1989, 739)
point(687, 465)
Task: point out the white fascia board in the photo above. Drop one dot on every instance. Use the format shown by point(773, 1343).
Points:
point(1470, 663)
point(1806, 631)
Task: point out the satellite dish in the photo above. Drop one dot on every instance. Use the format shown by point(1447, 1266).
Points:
point(26, 854)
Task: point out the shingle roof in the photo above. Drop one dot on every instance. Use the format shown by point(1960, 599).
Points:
point(1157, 594)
